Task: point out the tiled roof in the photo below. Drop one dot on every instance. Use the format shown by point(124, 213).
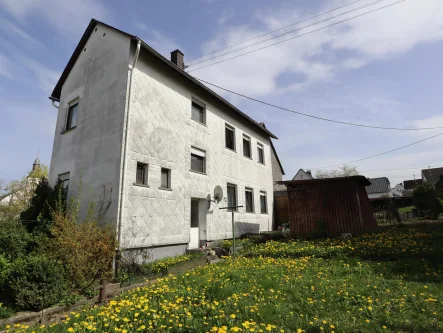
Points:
point(412, 184)
point(432, 175)
point(378, 185)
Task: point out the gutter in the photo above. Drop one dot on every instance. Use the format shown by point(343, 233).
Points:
point(125, 150)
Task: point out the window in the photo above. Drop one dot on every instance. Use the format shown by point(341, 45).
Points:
point(263, 203)
point(198, 112)
point(71, 121)
point(142, 174)
point(64, 181)
point(198, 160)
point(246, 146)
point(249, 200)
point(232, 196)
point(261, 155)
point(230, 137)
point(166, 179)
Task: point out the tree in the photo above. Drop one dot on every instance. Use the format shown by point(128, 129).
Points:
point(343, 171)
point(425, 197)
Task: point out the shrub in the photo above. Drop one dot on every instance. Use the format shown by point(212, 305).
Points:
point(4, 270)
point(14, 239)
point(36, 282)
point(425, 197)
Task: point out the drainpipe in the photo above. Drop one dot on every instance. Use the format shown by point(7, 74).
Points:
point(55, 105)
point(128, 120)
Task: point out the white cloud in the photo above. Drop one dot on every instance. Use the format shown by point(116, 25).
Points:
point(322, 55)
point(9, 27)
point(161, 43)
point(5, 66)
point(225, 16)
point(68, 17)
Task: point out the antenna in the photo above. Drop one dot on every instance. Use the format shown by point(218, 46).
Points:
point(218, 193)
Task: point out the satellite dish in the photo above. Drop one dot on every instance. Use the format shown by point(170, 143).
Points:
point(218, 193)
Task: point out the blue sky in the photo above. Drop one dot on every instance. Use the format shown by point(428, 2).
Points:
point(381, 69)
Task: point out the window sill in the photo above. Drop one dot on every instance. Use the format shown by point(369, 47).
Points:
point(249, 158)
point(200, 173)
point(165, 188)
point(261, 163)
point(68, 130)
point(264, 213)
point(141, 185)
point(230, 149)
point(203, 124)
point(251, 212)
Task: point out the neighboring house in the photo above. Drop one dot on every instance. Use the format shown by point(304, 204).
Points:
point(411, 185)
point(131, 120)
point(379, 188)
point(398, 190)
point(431, 175)
point(303, 175)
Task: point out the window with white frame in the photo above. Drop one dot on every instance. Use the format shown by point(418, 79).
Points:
point(198, 112)
point(230, 137)
point(249, 200)
point(71, 120)
point(142, 174)
point(165, 178)
point(260, 153)
point(198, 160)
point(232, 195)
point(246, 146)
point(263, 202)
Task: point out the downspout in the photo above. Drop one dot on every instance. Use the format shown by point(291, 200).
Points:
point(128, 120)
point(55, 105)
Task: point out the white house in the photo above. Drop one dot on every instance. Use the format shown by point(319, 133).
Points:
point(398, 190)
point(131, 120)
point(303, 175)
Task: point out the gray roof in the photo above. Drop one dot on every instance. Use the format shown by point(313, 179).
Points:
point(378, 185)
point(55, 96)
point(412, 184)
point(432, 175)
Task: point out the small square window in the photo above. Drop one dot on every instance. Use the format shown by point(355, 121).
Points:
point(246, 146)
point(165, 178)
point(198, 112)
point(71, 121)
point(232, 196)
point(230, 137)
point(142, 174)
point(249, 200)
point(261, 154)
point(263, 203)
point(198, 160)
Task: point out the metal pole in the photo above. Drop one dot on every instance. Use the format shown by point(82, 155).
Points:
point(233, 235)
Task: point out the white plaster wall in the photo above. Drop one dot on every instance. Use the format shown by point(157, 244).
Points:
point(161, 135)
point(380, 195)
point(92, 151)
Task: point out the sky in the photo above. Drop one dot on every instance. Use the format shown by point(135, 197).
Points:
point(381, 69)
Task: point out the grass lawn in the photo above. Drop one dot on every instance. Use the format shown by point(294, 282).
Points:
point(385, 282)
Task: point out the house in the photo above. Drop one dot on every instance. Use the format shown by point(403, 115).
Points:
point(431, 175)
point(329, 207)
point(411, 185)
point(379, 188)
point(135, 122)
point(303, 175)
point(398, 190)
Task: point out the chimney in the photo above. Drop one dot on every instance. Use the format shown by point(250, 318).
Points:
point(177, 58)
point(309, 172)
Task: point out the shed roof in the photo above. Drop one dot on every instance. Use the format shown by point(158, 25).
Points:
point(56, 93)
point(363, 181)
point(412, 184)
point(378, 185)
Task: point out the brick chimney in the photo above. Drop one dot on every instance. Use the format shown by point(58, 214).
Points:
point(309, 172)
point(177, 57)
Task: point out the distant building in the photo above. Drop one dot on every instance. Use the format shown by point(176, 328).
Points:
point(398, 190)
point(431, 175)
point(379, 188)
point(411, 185)
point(303, 175)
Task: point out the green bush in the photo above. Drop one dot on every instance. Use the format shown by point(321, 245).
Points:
point(36, 282)
point(5, 267)
point(14, 240)
point(404, 210)
point(425, 197)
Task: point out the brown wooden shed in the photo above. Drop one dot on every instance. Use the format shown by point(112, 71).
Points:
point(332, 206)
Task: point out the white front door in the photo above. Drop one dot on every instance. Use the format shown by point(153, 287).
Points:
point(194, 241)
